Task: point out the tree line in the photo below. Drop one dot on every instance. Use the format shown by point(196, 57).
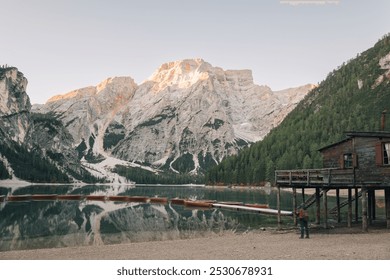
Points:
point(142, 176)
point(349, 99)
point(31, 166)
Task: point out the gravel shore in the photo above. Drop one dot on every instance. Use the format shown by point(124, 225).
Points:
point(336, 244)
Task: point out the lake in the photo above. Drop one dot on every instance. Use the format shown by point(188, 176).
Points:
point(62, 223)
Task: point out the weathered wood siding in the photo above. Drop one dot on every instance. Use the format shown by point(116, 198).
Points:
point(332, 155)
point(367, 170)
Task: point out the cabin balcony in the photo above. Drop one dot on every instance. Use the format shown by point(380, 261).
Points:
point(330, 178)
point(325, 177)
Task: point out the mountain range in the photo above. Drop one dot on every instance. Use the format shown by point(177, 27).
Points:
point(187, 117)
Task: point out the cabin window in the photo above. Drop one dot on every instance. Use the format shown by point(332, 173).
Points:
point(348, 160)
point(386, 153)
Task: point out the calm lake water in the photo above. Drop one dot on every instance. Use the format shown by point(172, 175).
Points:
point(48, 224)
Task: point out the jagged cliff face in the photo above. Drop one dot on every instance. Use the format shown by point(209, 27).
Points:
point(87, 112)
point(186, 116)
point(190, 114)
point(14, 104)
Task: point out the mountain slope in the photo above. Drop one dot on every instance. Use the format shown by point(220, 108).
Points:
point(351, 98)
point(186, 117)
point(18, 158)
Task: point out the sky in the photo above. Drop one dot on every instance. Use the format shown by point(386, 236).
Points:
point(64, 45)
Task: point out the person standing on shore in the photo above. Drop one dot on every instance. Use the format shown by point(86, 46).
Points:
point(303, 221)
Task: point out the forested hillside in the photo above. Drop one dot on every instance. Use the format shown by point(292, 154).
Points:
point(31, 166)
point(351, 98)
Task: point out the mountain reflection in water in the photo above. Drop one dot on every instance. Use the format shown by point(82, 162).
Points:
point(61, 223)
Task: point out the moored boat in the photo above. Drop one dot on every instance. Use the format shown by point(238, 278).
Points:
point(120, 198)
point(177, 201)
point(143, 199)
point(161, 200)
point(70, 197)
point(96, 197)
point(43, 197)
point(16, 198)
point(199, 203)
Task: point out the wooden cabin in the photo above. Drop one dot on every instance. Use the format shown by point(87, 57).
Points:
point(359, 163)
point(365, 154)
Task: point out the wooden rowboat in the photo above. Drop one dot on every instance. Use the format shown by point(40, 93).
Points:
point(161, 200)
point(178, 201)
point(70, 197)
point(16, 198)
point(143, 199)
point(199, 203)
point(43, 197)
point(120, 198)
point(96, 197)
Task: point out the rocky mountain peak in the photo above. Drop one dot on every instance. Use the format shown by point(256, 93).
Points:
point(186, 117)
point(181, 73)
point(13, 96)
point(14, 103)
point(185, 73)
point(114, 84)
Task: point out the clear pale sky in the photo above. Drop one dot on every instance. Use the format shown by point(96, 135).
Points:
point(64, 45)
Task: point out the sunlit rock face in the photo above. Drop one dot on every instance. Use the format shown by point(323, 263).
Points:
point(14, 104)
point(186, 117)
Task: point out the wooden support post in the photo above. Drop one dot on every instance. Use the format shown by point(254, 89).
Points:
point(303, 195)
point(295, 206)
point(349, 207)
point(318, 206)
point(338, 205)
point(364, 210)
point(325, 196)
point(278, 206)
point(356, 205)
point(387, 206)
point(369, 207)
point(373, 205)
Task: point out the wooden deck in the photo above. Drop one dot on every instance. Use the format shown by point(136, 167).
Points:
point(325, 178)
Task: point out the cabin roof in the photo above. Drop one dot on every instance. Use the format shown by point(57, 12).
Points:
point(375, 134)
point(364, 134)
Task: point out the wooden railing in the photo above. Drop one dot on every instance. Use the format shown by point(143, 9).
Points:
point(315, 177)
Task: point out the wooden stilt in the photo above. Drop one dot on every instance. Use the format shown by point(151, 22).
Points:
point(278, 207)
point(356, 205)
point(338, 205)
point(387, 206)
point(349, 207)
point(364, 210)
point(373, 205)
point(295, 206)
point(318, 206)
point(325, 196)
point(369, 206)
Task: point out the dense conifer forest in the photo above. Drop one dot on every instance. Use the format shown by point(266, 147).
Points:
point(142, 176)
point(351, 98)
point(31, 166)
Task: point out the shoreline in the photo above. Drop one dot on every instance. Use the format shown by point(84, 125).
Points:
point(336, 244)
